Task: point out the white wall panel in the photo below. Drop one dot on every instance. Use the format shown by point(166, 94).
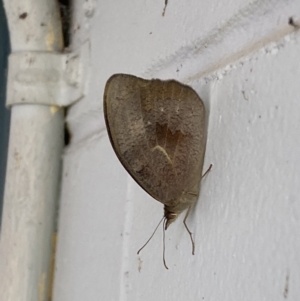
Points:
point(246, 223)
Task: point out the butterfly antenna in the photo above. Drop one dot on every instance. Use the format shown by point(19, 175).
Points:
point(164, 243)
point(150, 236)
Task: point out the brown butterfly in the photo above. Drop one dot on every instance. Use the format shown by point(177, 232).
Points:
point(157, 130)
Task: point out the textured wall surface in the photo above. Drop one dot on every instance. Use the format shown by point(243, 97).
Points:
point(242, 59)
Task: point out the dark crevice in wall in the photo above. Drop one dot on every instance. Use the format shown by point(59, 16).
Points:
point(65, 12)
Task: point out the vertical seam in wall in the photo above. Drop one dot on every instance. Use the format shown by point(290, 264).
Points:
point(129, 210)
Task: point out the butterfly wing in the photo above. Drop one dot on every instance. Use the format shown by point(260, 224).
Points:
point(157, 129)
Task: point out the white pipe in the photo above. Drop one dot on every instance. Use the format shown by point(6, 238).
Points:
point(34, 163)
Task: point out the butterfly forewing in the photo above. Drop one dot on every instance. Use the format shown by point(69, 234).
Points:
point(157, 131)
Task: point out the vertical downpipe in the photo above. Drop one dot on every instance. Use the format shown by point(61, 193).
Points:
point(34, 165)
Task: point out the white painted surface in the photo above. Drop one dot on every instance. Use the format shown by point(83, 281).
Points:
point(246, 223)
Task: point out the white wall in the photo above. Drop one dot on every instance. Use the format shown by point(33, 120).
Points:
point(242, 57)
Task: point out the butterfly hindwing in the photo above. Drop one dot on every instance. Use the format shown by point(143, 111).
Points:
point(157, 129)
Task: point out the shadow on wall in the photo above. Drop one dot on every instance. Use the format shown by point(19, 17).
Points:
point(4, 113)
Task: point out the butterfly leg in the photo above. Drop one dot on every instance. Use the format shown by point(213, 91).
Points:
point(207, 171)
point(187, 228)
